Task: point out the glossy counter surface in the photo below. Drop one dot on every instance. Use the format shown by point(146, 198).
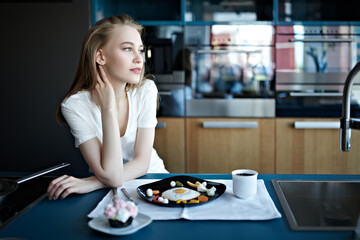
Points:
point(67, 219)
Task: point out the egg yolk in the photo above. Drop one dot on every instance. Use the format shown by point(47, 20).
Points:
point(180, 191)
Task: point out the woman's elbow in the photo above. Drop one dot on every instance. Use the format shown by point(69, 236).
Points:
point(115, 184)
point(114, 181)
point(145, 171)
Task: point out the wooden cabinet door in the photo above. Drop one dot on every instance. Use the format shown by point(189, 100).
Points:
point(314, 149)
point(170, 143)
point(220, 149)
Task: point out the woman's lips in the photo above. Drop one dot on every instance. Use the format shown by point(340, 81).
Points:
point(136, 70)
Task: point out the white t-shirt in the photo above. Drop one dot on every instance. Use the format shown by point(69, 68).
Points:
point(84, 119)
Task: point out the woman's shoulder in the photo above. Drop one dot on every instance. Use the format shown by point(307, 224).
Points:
point(147, 85)
point(77, 98)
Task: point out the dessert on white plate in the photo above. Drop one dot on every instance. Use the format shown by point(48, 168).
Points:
point(120, 213)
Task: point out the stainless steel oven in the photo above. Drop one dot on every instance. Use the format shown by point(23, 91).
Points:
point(229, 71)
point(164, 63)
point(312, 63)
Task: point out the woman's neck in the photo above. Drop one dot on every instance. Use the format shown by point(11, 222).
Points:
point(120, 92)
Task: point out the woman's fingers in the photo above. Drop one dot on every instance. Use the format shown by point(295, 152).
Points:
point(103, 74)
point(68, 191)
point(103, 93)
point(64, 190)
point(60, 185)
point(100, 81)
point(54, 182)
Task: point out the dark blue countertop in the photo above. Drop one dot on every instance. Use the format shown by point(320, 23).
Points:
point(67, 219)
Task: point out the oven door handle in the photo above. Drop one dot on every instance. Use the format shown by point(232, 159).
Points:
point(331, 40)
point(165, 93)
point(233, 124)
point(319, 94)
point(227, 51)
point(317, 125)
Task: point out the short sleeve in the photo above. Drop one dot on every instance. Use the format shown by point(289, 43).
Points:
point(149, 98)
point(76, 117)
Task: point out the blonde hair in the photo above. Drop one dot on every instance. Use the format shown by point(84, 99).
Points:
point(97, 37)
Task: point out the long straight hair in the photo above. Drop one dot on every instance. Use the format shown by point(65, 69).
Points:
point(97, 37)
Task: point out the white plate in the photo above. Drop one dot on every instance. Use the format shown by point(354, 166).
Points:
point(101, 224)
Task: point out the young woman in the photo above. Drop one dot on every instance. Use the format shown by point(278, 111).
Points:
point(110, 109)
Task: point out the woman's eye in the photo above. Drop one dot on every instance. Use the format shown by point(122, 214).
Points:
point(128, 49)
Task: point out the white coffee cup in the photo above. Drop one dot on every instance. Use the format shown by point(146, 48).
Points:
point(244, 183)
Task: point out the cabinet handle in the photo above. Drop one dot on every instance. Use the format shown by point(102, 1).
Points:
point(165, 93)
point(211, 51)
point(161, 125)
point(229, 124)
point(326, 94)
point(322, 40)
point(316, 125)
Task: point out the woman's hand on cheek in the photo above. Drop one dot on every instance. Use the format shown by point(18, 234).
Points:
point(103, 94)
point(62, 186)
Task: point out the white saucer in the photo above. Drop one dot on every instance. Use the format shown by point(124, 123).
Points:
point(101, 224)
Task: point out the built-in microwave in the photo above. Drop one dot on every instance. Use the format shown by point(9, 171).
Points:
point(312, 63)
point(229, 70)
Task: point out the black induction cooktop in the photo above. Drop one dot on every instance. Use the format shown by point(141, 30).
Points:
point(28, 194)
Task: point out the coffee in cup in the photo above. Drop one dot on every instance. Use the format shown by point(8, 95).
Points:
point(244, 183)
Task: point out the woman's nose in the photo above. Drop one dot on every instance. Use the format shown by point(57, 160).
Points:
point(138, 57)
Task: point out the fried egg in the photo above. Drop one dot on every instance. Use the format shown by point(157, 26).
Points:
point(175, 194)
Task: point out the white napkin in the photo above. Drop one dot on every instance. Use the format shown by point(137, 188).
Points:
point(226, 207)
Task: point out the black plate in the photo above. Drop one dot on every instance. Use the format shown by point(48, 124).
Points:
point(164, 184)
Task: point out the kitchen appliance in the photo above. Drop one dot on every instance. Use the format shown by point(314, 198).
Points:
point(229, 10)
point(9, 186)
point(318, 10)
point(319, 204)
point(19, 195)
point(312, 63)
point(24, 198)
point(230, 71)
point(164, 63)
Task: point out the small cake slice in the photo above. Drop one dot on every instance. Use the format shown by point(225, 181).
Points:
point(120, 213)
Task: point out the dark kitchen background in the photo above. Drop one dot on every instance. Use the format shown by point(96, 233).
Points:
point(40, 44)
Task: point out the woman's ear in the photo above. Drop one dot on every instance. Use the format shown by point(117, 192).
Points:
point(100, 58)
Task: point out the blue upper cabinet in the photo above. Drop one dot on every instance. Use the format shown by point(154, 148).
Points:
point(200, 12)
point(318, 12)
point(208, 12)
point(156, 12)
point(187, 12)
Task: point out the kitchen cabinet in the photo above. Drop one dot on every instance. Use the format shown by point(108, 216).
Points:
point(159, 12)
point(170, 143)
point(199, 12)
point(220, 145)
point(223, 11)
point(312, 146)
point(317, 11)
